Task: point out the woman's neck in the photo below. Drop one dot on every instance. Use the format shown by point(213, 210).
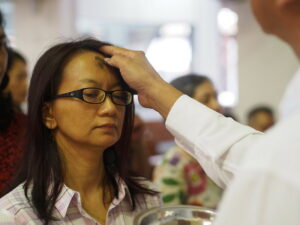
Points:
point(83, 172)
point(83, 166)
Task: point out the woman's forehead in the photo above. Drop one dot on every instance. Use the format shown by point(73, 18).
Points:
point(85, 60)
point(89, 66)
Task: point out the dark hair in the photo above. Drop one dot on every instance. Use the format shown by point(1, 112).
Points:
point(188, 83)
point(13, 56)
point(6, 102)
point(258, 109)
point(1, 20)
point(46, 171)
point(5, 78)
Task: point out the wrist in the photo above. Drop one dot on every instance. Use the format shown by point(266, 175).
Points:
point(162, 97)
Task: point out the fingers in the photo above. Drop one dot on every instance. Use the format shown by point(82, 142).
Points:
point(116, 61)
point(114, 50)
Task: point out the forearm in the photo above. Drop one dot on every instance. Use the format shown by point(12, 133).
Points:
point(218, 143)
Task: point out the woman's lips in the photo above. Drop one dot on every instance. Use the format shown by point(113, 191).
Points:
point(107, 126)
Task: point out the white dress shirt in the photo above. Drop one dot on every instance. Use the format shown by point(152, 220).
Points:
point(266, 168)
point(290, 103)
point(217, 142)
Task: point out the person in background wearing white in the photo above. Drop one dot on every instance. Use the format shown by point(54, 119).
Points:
point(261, 172)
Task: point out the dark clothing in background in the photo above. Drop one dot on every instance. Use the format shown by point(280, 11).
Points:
point(11, 150)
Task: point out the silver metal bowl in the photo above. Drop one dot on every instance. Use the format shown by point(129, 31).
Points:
point(176, 215)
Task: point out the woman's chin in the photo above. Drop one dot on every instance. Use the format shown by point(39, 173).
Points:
point(105, 144)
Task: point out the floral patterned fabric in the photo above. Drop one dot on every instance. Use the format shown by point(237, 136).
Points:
point(181, 180)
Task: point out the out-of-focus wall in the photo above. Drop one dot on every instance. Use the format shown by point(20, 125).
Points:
point(41, 23)
point(202, 14)
point(266, 64)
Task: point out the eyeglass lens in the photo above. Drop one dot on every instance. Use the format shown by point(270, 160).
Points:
point(98, 96)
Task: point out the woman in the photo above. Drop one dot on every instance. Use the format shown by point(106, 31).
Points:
point(80, 118)
point(17, 72)
point(180, 178)
point(12, 126)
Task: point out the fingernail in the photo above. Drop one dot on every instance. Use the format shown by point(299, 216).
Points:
point(107, 60)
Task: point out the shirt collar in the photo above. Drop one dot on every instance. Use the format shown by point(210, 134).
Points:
point(123, 193)
point(64, 200)
point(68, 196)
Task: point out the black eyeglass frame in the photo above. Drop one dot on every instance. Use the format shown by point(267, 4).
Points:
point(79, 94)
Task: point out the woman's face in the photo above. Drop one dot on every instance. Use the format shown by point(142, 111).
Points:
point(18, 85)
point(207, 95)
point(77, 123)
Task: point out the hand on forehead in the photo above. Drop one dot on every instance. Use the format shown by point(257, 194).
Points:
point(100, 61)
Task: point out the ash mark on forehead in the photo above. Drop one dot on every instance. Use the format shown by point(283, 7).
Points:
point(100, 62)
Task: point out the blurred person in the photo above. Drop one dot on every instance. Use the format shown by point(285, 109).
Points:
point(261, 118)
point(17, 72)
point(228, 112)
point(80, 119)
point(139, 150)
point(3, 54)
point(12, 126)
point(180, 178)
point(261, 171)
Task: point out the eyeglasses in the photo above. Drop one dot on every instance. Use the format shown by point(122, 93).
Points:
point(97, 96)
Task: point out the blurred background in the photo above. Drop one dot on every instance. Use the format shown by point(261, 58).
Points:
point(219, 39)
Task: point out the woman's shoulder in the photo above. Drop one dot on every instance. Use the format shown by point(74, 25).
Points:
point(15, 200)
point(16, 208)
point(7, 217)
point(152, 200)
point(147, 184)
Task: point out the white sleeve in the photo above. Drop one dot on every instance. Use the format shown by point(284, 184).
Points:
point(260, 198)
point(217, 142)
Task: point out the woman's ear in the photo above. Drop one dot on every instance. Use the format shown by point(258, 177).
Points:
point(48, 117)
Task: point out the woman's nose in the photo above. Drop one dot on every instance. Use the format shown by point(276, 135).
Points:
point(107, 106)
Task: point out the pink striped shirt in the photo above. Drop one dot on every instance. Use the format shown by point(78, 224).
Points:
point(15, 209)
